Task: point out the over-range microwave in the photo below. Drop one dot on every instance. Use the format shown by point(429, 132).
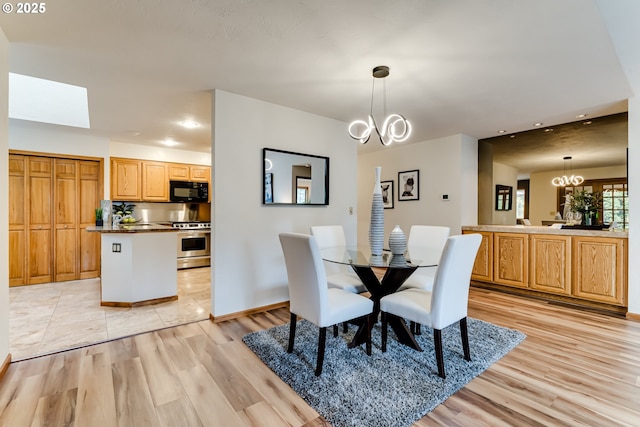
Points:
point(187, 191)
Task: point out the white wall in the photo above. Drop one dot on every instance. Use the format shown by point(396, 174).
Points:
point(543, 195)
point(159, 154)
point(447, 166)
point(504, 175)
point(4, 194)
point(248, 268)
point(634, 206)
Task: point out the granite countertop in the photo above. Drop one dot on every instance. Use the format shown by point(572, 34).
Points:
point(133, 228)
point(534, 229)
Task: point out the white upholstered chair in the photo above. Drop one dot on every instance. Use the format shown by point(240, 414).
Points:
point(446, 303)
point(311, 298)
point(425, 243)
point(338, 276)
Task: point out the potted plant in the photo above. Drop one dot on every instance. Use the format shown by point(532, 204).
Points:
point(587, 203)
point(99, 221)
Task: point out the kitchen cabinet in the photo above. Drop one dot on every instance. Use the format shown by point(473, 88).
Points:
point(600, 266)
point(126, 179)
point(51, 202)
point(143, 180)
point(483, 266)
point(511, 259)
point(155, 181)
point(550, 264)
point(580, 266)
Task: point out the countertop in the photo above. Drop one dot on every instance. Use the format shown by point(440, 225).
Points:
point(534, 229)
point(133, 228)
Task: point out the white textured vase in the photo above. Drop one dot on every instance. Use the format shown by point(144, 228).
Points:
point(376, 226)
point(397, 241)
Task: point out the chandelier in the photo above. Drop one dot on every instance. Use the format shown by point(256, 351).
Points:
point(564, 180)
point(395, 128)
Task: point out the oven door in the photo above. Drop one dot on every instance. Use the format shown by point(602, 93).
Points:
point(194, 243)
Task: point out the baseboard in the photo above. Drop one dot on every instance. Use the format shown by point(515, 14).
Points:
point(237, 314)
point(5, 366)
point(633, 316)
point(138, 303)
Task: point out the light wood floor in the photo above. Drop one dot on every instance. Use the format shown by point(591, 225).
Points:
point(574, 369)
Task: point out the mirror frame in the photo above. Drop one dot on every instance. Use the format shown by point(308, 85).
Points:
point(264, 172)
point(504, 197)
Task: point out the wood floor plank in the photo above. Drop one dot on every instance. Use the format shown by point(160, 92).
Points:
point(210, 403)
point(134, 406)
point(56, 409)
point(178, 413)
point(261, 414)
point(21, 407)
point(161, 375)
point(96, 404)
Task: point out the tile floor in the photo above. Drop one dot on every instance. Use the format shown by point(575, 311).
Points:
point(57, 316)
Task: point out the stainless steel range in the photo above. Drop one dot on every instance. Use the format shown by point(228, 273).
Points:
point(194, 244)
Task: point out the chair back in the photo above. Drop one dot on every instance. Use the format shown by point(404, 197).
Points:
point(450, 295)
point(329, 236)
point(426, 242)
point(305, 272)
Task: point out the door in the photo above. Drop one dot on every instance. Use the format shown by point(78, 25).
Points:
point(17, 220)
point(40, 238)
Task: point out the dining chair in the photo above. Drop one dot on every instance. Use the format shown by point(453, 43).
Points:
point(338, 276)
point(425, 243)
point(311, 298)
point(446, 303)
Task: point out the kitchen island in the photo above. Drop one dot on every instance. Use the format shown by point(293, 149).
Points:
point(583, 267)
point(139, 264)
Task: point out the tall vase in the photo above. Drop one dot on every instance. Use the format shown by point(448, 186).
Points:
point(376, 226)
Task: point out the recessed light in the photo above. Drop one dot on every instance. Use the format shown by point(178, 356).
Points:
point(581, 116)
point(502, 131)
point(169, 142)
point(538, 124)
point(588, 122)
point(512, 136)
point(189, 124)
point(548, 130)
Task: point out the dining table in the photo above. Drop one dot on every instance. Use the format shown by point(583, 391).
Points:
point(394, 268)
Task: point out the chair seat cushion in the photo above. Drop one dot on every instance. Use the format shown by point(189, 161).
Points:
point(349, 282)
point(412, 304)
point(345, 306)
point(421, 279)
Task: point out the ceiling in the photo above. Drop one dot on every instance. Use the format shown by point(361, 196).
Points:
point(465, 66)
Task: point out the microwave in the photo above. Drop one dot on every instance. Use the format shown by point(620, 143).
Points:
point(186, 191)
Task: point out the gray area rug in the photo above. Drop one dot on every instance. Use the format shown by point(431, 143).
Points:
point(392, 389)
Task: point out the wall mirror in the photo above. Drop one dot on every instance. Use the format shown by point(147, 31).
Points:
point(504, 194)
point(294, 178)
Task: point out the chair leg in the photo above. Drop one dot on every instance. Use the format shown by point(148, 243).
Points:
point(437, 341)
point(322, 336)
point(465, 339)
point(335, 331)
point(418, 329)
point(383, 316)
point(345, 327)
point(369, 327)
point(292, 332)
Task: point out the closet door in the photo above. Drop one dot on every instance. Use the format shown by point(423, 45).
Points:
point(40, 224)
point(17, 220)
point(90, 192)
point(66, 223)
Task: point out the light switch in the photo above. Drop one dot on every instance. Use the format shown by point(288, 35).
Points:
point(116, 247)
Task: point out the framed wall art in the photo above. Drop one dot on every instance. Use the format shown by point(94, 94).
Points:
point(387, 194)
point(409, 185)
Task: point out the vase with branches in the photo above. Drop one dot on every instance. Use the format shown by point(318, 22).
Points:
point(587, 203)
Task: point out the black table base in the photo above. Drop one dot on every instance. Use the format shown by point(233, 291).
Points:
point(392, 280)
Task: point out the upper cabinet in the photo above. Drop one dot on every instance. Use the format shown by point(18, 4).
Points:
point(143, 180)
point(126, 179)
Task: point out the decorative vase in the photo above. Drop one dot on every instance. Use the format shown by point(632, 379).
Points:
point(397, 241)
point(99, 222)
point(376, 226)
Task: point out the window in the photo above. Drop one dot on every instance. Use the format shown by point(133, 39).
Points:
point(615, 201)
point(520, 194)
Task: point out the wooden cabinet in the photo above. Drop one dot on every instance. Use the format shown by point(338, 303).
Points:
point(126, 179)
point(155, 181)
point(550, 264)
point(599, 269)
point(52, 201)
point(483, 266)
point(510, 255)
point(141, 180)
